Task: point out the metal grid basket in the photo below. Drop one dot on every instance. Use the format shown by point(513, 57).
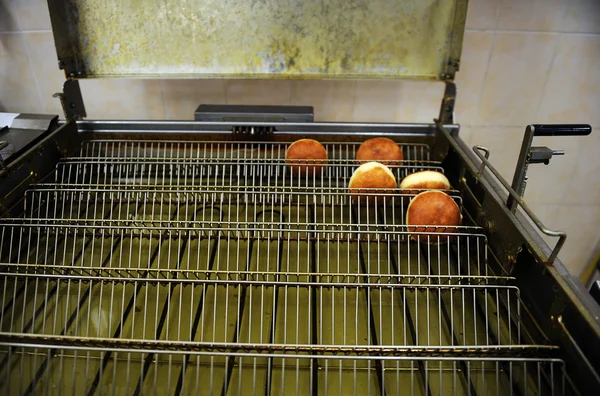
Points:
point(193, 267)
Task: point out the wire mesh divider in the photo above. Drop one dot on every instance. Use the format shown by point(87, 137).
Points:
point(210, 172)
point(210, 267)
point(129, 371)
point(224, 150)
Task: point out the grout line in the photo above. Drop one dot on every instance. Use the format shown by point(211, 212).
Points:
point(563, 195)
point(487, 66)
point(485, 75)
point(518, 31)
point(544, 86)
point(25, 31)
point(32, 71)
point(225, 91)
point(291, 95)
point(353, 112)
point(498, 13)
point(162, 98)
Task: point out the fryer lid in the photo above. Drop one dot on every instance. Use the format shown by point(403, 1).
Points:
point(397, 39)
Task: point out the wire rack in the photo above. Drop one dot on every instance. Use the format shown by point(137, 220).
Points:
point(193, 267)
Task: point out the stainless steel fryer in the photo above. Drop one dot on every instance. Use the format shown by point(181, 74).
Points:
point(183, 257)
point(174, 257)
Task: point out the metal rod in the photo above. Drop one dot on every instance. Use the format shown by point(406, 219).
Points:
point(519, 178)
point(444, 311)
point(124, 317)
point(196, 322)
point(314, 367)
point(269, 376)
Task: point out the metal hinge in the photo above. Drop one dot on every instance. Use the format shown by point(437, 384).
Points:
point(446, 115)
point(440, 149)
point(71, 101)
point(70, 66)
point(452, 67)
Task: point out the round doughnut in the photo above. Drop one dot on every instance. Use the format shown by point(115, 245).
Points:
point(432, 212)
point(381, 149)
point(424, 180)
point(372, 175)
point(306, 156)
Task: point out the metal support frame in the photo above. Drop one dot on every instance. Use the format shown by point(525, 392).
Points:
point(245, 113)
point(558, 301)
point(445, 117)
point(535, 155)
point(24, 131)
point(71, 101)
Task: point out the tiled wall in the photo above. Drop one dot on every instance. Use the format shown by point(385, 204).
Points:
point(524, 61)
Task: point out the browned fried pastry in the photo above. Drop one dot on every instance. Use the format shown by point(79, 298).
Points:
point(372, 175)
point(424, 180)
point(382, 149)
point(306, 156)
point(432, 212)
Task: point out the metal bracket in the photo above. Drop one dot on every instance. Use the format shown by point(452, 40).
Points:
point(453, 66)
point(245, 113)
point(537, 155)
point(241, 114)
point(446, 115)
point(484, 154)
point(71, 101)
point(70, 66)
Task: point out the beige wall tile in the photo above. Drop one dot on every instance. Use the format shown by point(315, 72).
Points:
point(470, 77)
point(582, 16)
point(483, 14)
point(123, 99)
point(182, 97)
point(33, 14)
point(8, 16)
point(377, 101)
point(572, 94)
point(18, 91)
point(504, 144)
point(515, 78)
point(547, 215)
point(466, 134)
point(419, 101)
point(397, 101)
point(547, 183)
point(581, 225)
point(48, 76)
point(538, 15)
point(332, 100)
point(259, 92)
point(583, 187)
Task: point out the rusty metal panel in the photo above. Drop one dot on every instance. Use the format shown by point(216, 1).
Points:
point(419, 39)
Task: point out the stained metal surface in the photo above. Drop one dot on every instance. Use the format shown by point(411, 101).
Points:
point(164, 266)
point(264, 39)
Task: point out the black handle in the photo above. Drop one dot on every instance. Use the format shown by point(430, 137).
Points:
point(562, 130)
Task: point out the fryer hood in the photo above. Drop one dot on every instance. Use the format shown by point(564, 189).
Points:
point(333, 39)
